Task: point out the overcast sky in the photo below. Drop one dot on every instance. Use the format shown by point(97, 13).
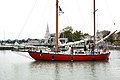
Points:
point(22, 19)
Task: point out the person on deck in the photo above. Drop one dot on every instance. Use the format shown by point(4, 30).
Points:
point(71, 50)
point(92, 49)
point(85, 48)
point(104, 50)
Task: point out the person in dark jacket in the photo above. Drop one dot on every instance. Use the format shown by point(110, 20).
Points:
point(71, 50)
point(85, 49)
point(92, 49)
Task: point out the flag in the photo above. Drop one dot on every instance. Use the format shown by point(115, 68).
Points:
point(60, 10)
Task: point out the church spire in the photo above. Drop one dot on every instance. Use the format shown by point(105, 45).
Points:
point(47, 34)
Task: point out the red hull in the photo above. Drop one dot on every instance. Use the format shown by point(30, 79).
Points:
point(67, 57)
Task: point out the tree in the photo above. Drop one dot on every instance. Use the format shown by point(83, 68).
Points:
point(118, 34)
point(105, 33)
point(110, 38)
point(77, 35)
point(68, 28)
point(68, 33)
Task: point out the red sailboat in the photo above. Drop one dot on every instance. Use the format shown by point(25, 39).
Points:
point(67, 56)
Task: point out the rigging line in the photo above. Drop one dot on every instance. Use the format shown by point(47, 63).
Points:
point(49, 13)
point(23, 55)
point(41, 19)
point(110, 15)
point(62, 15)
point(67, 18)
point(66, 21)
point(27, 18)
point(83, 20)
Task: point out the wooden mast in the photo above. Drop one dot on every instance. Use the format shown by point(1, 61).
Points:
point(94, 22)
point(56, 25)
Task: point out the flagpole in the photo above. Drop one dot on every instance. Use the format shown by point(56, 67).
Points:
point(56, 25)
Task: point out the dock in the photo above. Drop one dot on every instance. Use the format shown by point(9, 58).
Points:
point(6, 47)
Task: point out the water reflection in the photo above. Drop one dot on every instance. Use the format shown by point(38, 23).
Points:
point(18, 67)
point(52, 70)
point(69, 70)
point(63, 70)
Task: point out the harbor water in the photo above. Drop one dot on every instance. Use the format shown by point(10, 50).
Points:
point(20, 66)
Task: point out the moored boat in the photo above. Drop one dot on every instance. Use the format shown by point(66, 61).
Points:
point(67, 56)
point(56, 56)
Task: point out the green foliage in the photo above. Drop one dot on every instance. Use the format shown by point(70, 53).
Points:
point(118, 34)
point(68, 28)
point(66, 34)
point(72, 36)
point(110, 39)
point(105, 33)
point(77, 35)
